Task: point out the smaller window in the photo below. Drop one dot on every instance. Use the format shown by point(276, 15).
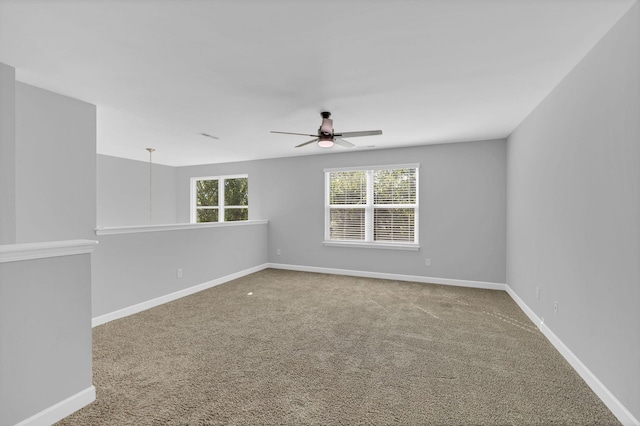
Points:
point(220, 199)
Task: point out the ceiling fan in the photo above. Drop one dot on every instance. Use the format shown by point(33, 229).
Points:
point(326, 137)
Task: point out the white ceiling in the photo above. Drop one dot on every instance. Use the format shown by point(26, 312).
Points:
point(161, 72)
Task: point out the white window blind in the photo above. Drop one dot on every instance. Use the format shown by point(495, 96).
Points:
point(376, 205)
point(347, 195)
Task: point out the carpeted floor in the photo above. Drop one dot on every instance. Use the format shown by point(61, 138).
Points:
point(284, 347)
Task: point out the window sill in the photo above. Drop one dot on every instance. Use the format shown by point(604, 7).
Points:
point(112, 230)
point(387, 246)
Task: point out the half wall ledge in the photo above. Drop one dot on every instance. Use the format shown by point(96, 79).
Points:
point(113, 230)
point(29, 251)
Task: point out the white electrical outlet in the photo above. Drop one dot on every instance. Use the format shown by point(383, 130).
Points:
point(179, 273)
point(278, 252)
point(427, 262)
point(538, 293)
point(555, 308)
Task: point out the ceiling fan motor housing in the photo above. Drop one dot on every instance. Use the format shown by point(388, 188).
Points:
point(325, 132)
point(326, 128)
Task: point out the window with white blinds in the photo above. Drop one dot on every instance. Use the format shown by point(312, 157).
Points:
point(377, 205)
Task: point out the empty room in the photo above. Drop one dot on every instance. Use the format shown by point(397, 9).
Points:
point(359, 212)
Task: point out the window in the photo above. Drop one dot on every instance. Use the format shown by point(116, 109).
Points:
point(376, 207)
point(220, 199)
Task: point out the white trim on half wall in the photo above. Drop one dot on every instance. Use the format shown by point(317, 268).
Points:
point(31, 251)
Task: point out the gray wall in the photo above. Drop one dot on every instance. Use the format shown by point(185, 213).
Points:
point(123, 192)
point(133, 268)
point(48, 167)
point(462, 209)
point(574, 210)
point(7, 155)
point(45, 334)
point(55, 166)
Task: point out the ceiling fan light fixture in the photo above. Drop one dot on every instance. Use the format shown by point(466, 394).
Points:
point(326, 137)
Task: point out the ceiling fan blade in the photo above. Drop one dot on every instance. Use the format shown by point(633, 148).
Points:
point(356, 134)
point(289, 133)
point(344, 143)
point(307, 143)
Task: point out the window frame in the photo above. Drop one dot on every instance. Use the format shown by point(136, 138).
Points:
point(369, 208)
point(220, 207)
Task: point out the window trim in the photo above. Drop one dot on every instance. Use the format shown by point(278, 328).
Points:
point(220, 207)
point(369, 208)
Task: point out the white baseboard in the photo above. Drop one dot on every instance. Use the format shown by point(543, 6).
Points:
point(143, 306)
point(387, 276)
point(624, 416)
point(526, 309)
point(616, 407)
point(62, 409)
point(139, 307)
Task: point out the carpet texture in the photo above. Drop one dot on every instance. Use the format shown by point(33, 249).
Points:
point(289, 348)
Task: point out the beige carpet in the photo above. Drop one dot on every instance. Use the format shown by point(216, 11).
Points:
point(283, 347)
